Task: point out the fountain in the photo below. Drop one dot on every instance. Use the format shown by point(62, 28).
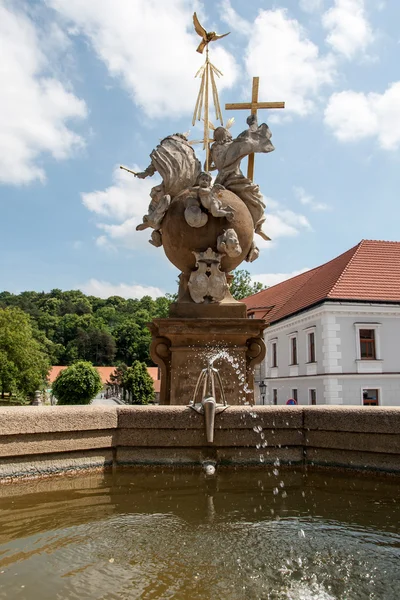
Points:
point(281, 531)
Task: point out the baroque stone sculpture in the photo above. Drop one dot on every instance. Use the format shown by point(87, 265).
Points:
point(206, 229)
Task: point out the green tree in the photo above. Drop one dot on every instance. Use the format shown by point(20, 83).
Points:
point(23, 363)
point(96, 346)
point(242, 285)
point(162, 306)
point(78, 384)
point(138, 383)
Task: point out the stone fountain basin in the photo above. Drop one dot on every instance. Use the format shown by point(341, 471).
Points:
point(39, 441)
point(279, 530)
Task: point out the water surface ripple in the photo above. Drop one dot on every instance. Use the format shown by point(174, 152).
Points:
point(178, 534)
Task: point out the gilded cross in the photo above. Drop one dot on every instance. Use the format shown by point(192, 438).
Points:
point(253, 106)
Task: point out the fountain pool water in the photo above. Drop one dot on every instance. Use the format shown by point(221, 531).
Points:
point(149, 533)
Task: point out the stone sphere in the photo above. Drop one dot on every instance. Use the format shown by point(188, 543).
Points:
point(180, 240)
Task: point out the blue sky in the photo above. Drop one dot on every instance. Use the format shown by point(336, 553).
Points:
point(92, 84)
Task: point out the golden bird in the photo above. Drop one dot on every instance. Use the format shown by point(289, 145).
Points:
point(208, 36)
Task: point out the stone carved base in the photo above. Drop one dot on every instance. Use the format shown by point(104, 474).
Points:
point(182, 348)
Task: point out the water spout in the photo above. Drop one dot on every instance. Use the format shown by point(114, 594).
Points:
point(208, 405)
point(209, 408)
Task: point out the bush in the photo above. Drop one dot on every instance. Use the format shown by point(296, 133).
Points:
point(78, 384)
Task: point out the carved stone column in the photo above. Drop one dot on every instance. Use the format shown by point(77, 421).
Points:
point(183, 346)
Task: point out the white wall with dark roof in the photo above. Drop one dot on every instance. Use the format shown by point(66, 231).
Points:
point(338, 375)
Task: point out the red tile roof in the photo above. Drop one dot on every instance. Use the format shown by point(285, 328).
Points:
point(368, 272)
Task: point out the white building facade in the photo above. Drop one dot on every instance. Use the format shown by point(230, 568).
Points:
point(334, 353)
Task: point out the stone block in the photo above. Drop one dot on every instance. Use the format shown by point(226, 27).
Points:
point(15, 420)
point(54, 464)
point(158, 417)
point(57, 442)
point(362, 442)
point(186, 438)
point(164, 456)
point(267, 417)
point(373, 419)
point(251, 456)
point(366, 461)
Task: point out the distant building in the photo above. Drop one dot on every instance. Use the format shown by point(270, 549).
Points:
point(106, 372)
point(334, 331)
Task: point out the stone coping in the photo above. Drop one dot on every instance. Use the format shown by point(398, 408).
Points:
point(38, 441)
point(17, 420)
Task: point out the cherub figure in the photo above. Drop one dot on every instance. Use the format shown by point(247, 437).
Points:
point(206, 198)
point(157, 208)
point(228, 243)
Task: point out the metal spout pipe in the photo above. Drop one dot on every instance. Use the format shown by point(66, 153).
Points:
point(209, 407)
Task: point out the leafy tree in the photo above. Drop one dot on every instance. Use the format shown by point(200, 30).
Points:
point(71, 326)
point(138, 383)
point(96, 346)
point(23, 363)
point(133, 341)
point(242, 285)
point(78, 384)
point(162, 305)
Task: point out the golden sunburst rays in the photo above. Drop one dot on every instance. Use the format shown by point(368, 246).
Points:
point(207, 74)
point(211, 126)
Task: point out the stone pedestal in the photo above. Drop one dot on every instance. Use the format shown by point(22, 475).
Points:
point(182, 347)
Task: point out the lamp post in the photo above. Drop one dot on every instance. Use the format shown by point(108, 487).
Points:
point(263, 389)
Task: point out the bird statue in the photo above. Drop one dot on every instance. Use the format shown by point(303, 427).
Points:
point(208, 36)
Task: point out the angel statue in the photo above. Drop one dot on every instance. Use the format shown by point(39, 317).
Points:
point(175, 160)
point(226, 155)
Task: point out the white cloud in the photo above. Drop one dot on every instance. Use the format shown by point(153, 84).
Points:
point(150, 47)
point(104, 289)
point(281, 222)
point(288, 63)
point(229, 15)
point(125, 202)
point(311, 6)
point(348, 28)
point(35, 106)
point(308, 200)
point(270, 279)
point(354, 116)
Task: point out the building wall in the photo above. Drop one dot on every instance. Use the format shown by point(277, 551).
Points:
point(338, 375)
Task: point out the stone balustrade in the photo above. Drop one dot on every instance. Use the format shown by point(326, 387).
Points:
point(40, 441)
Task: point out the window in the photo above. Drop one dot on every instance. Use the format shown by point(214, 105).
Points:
point(367, 344)
point(311, 347)
point(370, 397)
point(294, 394)
point(274, 356)
point(293, 350)
point(274, 396)
point(313, 396)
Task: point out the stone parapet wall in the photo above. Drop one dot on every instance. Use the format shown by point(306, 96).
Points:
point(40, 441)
